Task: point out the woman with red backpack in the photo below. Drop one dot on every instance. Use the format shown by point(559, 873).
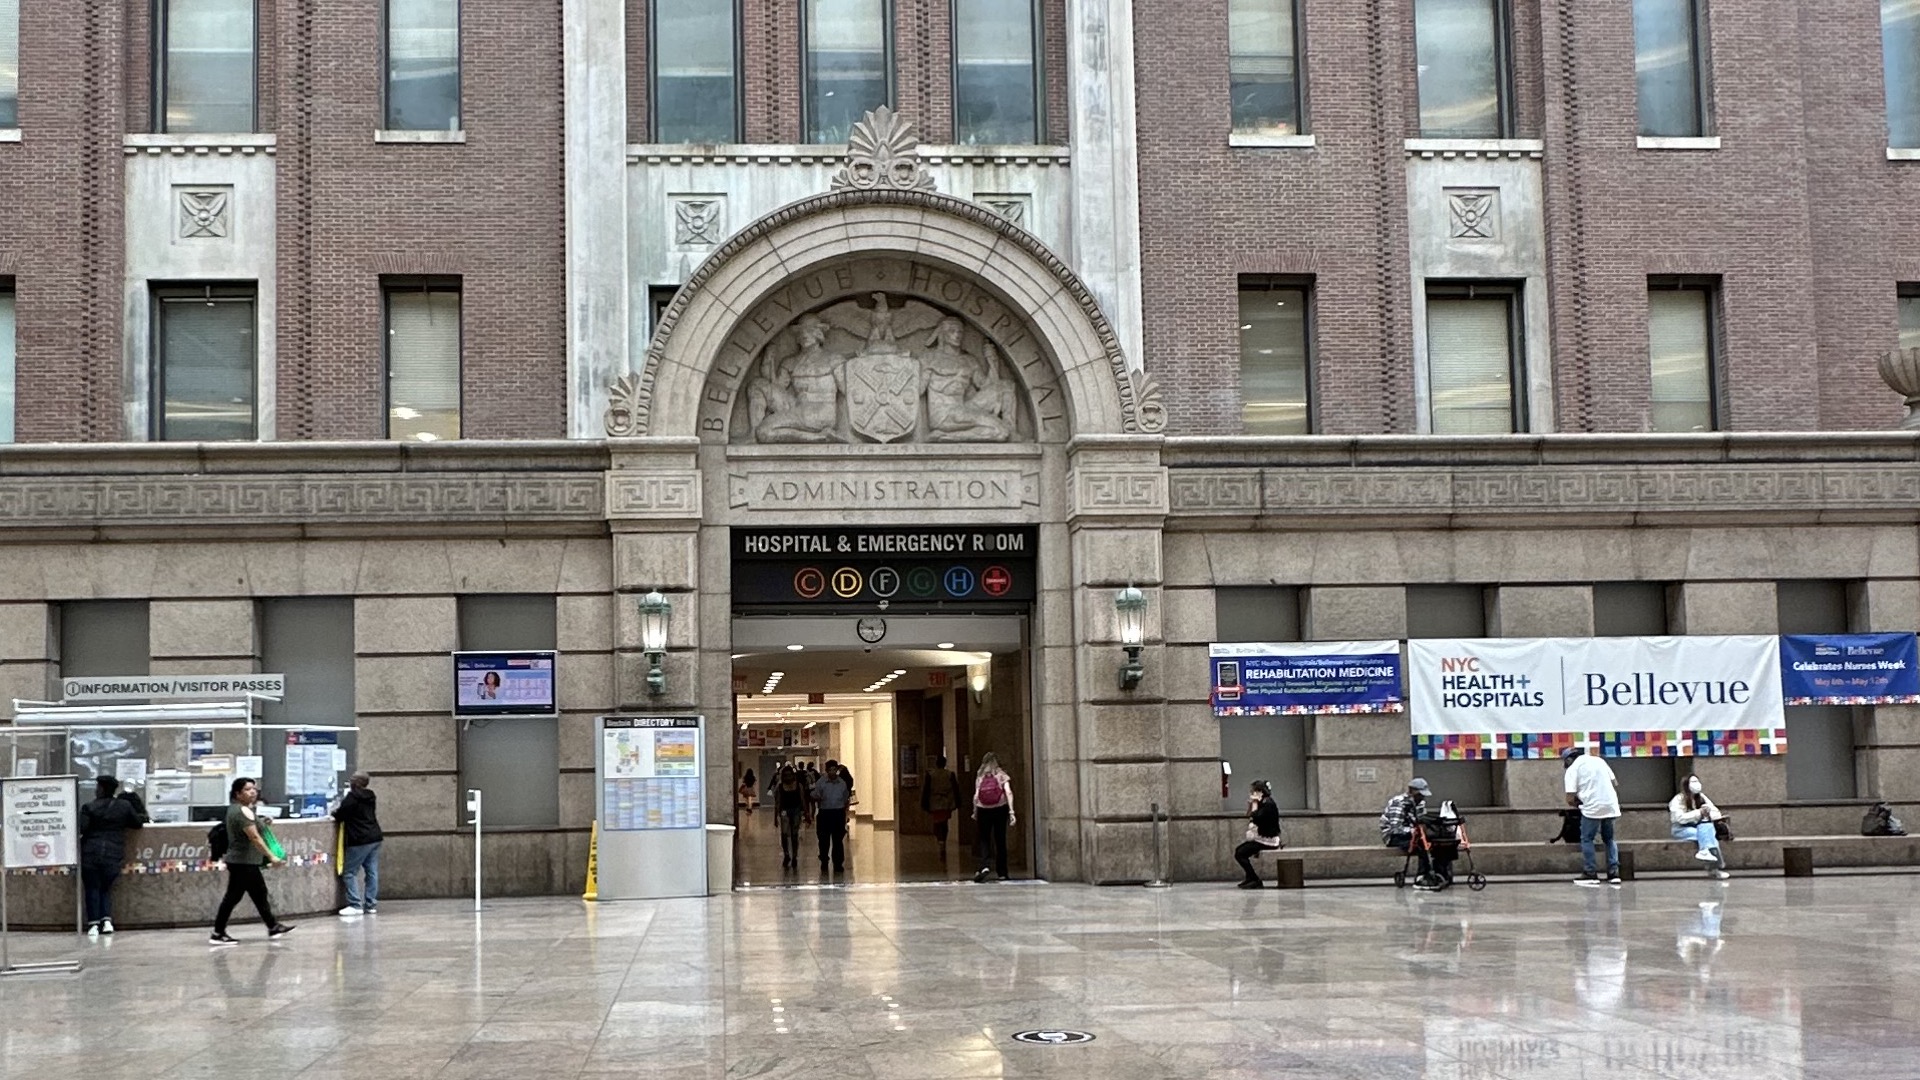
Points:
point(993, 809)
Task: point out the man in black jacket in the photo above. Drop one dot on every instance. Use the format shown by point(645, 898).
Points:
point(103, 847)
point(356, 814)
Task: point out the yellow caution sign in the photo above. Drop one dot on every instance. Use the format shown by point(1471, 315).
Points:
point(340, 849)
point(593, 864)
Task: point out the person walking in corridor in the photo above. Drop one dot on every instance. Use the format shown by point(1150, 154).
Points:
point(356, 814)
point(247, 854)
point(103, 847)
point(940, 797)
point(789, 804)
point(831, 797)
point(993, 809)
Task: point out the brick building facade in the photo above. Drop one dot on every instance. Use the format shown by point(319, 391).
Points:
point(625, 381)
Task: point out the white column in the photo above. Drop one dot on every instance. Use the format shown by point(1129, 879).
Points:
point(862, 763)
point(1106, 163)
point(596, 208)
point(884, 784)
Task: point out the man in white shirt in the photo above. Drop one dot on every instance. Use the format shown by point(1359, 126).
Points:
point(1591, 786)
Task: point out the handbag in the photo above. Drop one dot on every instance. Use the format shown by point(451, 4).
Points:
point(1721, 829)
point(272, 841)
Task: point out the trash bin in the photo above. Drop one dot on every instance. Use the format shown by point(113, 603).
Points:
point(719, 859)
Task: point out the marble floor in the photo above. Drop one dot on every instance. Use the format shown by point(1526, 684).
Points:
point(874, 856)
point(1755, 979)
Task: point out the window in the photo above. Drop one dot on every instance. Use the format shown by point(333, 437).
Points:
point(104, 637)
point(1473, 339)
point(1819, 737)
point(7, 362)
point(423, 65)
point(1273, 747)
point(1900, 49)
point(1909, 316)
point(203, 363)
point(423, 359)
point(516, 761)
point(1263, 66)
point(849, 58)
point(1630, 609)
point(1453, 611)
point(1680, 334)
point(206, 69)
point(1274, 380)
point(1668, 68)
point(1461, 49)
point(659, 299)
point(310, 641)
point(696, 68)
point(9, 63)
point(996, 86)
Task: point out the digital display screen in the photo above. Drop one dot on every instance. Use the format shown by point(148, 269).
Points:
point(504, 684)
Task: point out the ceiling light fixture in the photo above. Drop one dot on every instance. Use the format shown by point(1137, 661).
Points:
point(944, 645)
point(795, 648)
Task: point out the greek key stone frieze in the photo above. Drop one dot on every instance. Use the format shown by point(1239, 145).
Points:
point(1800, 489)
point(1141, 491)
point(653, 495)
point(140, 500)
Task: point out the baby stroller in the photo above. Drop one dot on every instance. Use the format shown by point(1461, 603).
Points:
point(1442, 836)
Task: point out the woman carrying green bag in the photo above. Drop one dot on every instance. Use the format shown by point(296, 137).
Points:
point(251, 846)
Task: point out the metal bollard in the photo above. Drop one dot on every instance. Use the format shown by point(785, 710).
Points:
point(1159, 859)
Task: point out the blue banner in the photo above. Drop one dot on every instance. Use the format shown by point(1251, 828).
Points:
point(1316, 677)
point(1850, 669)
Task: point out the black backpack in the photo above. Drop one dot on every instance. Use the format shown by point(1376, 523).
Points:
point(1569, 827)
point(217, 840)
point(1879, 821)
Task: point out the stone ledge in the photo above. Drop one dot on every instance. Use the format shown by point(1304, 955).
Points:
point(210, 459)
point(1517, 858)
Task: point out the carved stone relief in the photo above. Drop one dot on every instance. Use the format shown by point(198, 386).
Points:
point(889, 370)
point(1473, 213)
point(883, 151)
point(699, 220)
point(205, 212)
point(1011, 207)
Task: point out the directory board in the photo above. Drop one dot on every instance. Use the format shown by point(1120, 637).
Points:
point(650, 796)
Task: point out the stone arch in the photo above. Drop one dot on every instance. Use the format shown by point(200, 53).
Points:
point(1103, 395)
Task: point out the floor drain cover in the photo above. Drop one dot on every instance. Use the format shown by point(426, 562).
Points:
point(1052, 1037)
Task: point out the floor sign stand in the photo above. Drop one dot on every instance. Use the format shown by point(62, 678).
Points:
point(651, 803)
point(40, 820)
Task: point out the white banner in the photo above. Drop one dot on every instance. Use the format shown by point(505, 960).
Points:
point(142, 687)
point(41, 821)
point(1537, 685)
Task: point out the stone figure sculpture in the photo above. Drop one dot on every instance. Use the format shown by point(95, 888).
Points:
point(848, 377)
point(967, 398)
point(799, 396)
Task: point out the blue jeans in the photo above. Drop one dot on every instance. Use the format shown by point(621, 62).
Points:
point(1701, 834)
point(1589, 827)
point(96, 880)
point(367, 857)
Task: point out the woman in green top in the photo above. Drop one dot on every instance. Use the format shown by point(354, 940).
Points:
point(247, 853)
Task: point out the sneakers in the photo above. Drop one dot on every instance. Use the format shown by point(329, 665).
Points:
point(1706, 855)
point(981, 875)
point(372, 910)
point(217, 938)
point(350, 912)
point(93, 929)
point(106, 926)
point(1613, 878)
point(1253, 883)
point(1590, 879)
point(279, 930)
point(1718, 874)
point(1422, 886)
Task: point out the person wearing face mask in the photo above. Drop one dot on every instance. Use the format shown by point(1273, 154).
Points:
point(1693, 815)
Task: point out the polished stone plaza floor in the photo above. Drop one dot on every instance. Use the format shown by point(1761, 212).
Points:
point(1755, 979)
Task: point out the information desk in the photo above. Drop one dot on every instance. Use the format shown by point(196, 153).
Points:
point(168, 880)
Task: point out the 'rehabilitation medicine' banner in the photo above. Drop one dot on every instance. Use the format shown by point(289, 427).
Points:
point(1306, 678)
point(1632, 697)
point(1850, 669)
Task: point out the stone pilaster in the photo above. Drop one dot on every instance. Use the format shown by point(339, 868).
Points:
point(1106, 164)
point(595, 84)
point(1117, 502)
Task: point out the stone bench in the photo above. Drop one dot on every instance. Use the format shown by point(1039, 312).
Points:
point(1536, 859)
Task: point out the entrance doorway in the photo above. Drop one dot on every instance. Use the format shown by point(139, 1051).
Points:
point(887, 698)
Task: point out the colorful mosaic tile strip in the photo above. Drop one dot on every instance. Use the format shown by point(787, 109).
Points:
point(1490, 746)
